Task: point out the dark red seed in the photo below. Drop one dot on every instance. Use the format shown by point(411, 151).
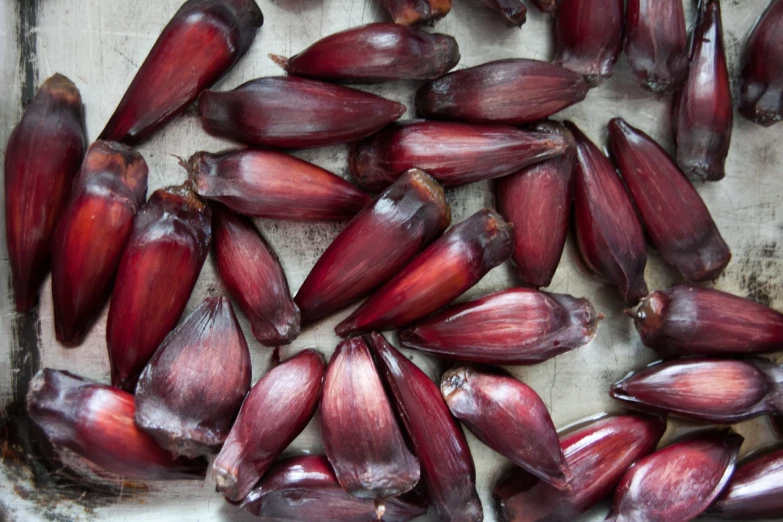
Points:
point(448, 474)
point(273, 185)
point(755, 490)
point(200, 44)
point(761, 98)
point(688, 320)
point(42, 157)
point(656, 43)
point(294, 113)
point(360, 434)
point(158, 270)
point(597, 455)
point(674, 215)
point(678, 482)
point(547, 6)
point(610, 238)
point(712, 390)
point(589, 37)
point(510, 418)
point(516, 326)
point(437, 276)
point(95, 225)
point(513, 92)
point(190, 392)
point(513, 11)
point(306, 488)
point(702, 112)
point(375, 53)
point(375, 245)
point(536, 201)
point(452, 153)
point(412, 12)
point(96, 422)
point(275, 411)
point(254, 277)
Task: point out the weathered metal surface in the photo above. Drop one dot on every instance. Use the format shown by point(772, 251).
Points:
point(99, 44)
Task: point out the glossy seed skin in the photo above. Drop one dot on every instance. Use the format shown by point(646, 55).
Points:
point(761, 95)
point(190, 392)
point(273, 185)
point(672, 212)
point(287, 112)
point(306, 488)
point(513, 12)
point(597, 454)
point(437, 276)
point(656, 43)
point(678, 482)
point(689, 320)
point(589, 37)
point(42, 158)
point(515, 326)
point(376, 53)
point(363, 442)
point(513, 92)
point(448, 474)
point(276, 410)
point(453, 153)
point(702, 112)
point(158, 270)
point(96, 422)
point(200, 44)
point(610, 238)
point(87, 247)
point(509, 417)
point(415, 12)
point(537, 202)
point(376, 244)
point(706, 389)
point(755, 490)
point(254, 278)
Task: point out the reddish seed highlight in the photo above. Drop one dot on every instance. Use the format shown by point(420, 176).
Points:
point(87, 247)
point(42, 158)
point(437, 276)
point(702, 112)
point(375, 245)
point(674, 215)
point(597, 454)
point(515, 326)
point(536, 201)
point(273, 185)
point(512, 92)
point(360, 433)
point(201, 43)
point(96, 422)
point(589, 37)
point(678, 482)
point(158, 270)
point(689, 320)
point(287, 112)
point(190, 392)
point(610, 238)
point(375, 53)
point(713, 390)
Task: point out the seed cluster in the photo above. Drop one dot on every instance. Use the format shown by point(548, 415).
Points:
point(393, 438)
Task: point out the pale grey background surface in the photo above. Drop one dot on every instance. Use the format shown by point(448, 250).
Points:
point(100, 44)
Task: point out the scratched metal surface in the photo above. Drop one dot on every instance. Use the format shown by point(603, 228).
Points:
point(99, 44)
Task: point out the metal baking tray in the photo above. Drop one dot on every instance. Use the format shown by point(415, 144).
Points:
point(100, 44)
